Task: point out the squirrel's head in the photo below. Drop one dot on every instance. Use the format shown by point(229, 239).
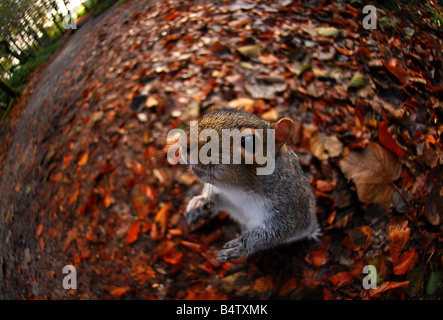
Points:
point(233, 146)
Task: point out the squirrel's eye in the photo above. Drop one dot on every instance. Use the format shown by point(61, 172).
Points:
point(248, 142)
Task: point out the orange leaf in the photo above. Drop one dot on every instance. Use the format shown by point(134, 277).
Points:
point(341, 278)
point(173, 257)
point(404, 262)
point(74, 196)
point(263, 284)
point(317, 258)
point(108, 199)
point(66, 160)
point(118, 292)
point(175, 232)
point(84, 159)
point(161, 222)
point(149, 192)
point(39, 230)
point(134, 232)
point(398, 237)
point(193, 246)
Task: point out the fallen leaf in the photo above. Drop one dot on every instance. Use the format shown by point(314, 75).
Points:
point(288, 286)
point(398, 72)
point(118, 292)
point(309, 279)
point(316, 258)
point(250, 51)
point(341, 278)
point(434, 205)
point(134, 231)
point(268, 58)
point(242, 103)
point(161, 222)
point(373, 172)
point(404, 262)
point(323, 147)
point(173, 257)
point(398, 233)
point(151, 102)
point(263, 284)
point(357, 81)
point(191, 245)
point(271, 115)
point(39, 230)
point(328, 31)
point(434, 282)
point(357, 238)
point(385, 138)
point(83, 159)
point(385, 286)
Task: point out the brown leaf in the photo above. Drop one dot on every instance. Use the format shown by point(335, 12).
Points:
point(341, 278)
point(309, 279)
point(263, 284)
point(242, 103)
point(357, 238)
point(288, 286)
point(373, 172)
point(161, 220)
point(316, 258)
point(250, 51)
point(386, 139)
point(373, 293)
point(400, 73)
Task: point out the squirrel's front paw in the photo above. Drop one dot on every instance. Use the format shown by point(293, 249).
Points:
point(232, 250)
point(198, 207)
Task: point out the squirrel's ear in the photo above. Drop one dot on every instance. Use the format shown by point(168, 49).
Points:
point(283, 130)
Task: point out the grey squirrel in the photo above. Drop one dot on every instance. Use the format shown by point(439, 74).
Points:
point(272, 209)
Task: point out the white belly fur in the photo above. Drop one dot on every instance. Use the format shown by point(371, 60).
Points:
point(247, 209)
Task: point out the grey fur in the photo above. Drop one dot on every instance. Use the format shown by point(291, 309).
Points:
point(284, 198)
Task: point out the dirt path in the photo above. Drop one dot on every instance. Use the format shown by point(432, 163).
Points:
point(22, 180)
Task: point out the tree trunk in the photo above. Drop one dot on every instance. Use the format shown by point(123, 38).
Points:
point(54, 19)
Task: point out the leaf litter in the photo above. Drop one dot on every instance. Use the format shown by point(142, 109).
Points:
point(96, 177)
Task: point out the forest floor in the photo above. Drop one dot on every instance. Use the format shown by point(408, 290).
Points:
point(85, 181)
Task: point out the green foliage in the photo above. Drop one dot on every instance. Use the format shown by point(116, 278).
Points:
point(22, 73)
point(100, 6)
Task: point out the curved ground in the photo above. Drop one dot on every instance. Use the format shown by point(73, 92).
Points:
point(86, 182)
